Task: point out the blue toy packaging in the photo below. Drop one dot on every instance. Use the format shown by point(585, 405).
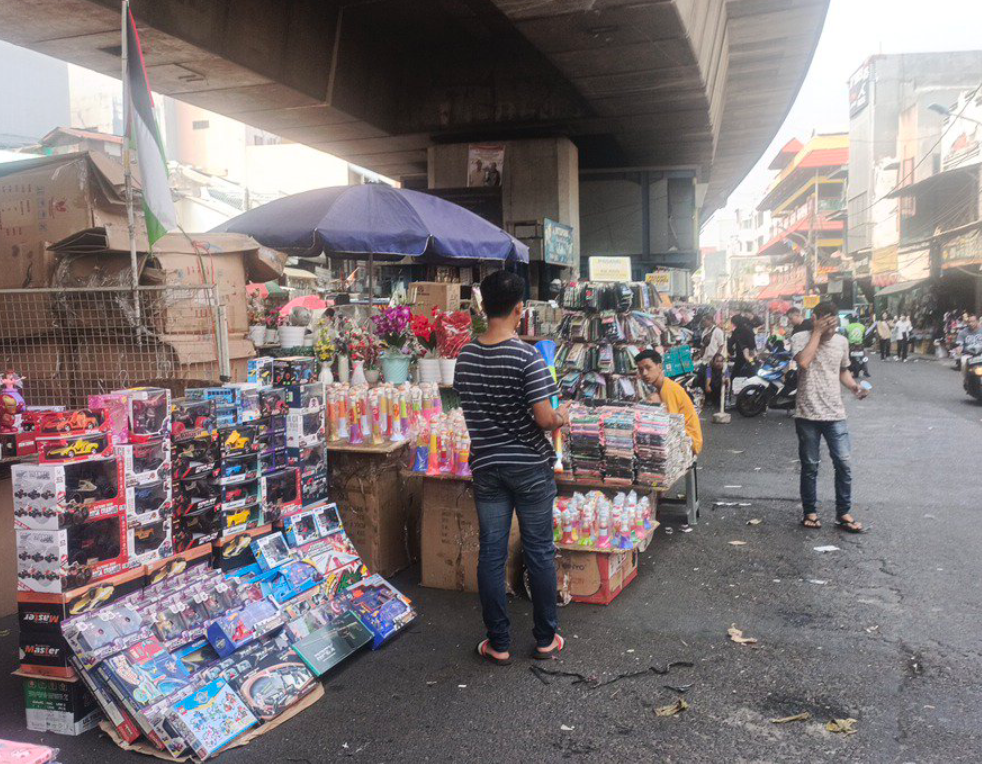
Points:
point(211, 718)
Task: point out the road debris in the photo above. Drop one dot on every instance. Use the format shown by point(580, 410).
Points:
point(738, 543)
point(754, 521)
point(827, 548)
point(802, 717)
point(566, 728)
point(731, 504)
point(672, 710)
point(818, 581)
point(736, 635)
point(679, 688)
point(593, 682)
point(843, 726)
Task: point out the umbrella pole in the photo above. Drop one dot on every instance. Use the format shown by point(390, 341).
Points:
point(371, 281)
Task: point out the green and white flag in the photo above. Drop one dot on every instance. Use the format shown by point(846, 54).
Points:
point(141, 129)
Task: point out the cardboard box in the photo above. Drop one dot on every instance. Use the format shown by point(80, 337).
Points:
point(450, 539)
point(63, 706)
point(46, 199)
point(427, 295)
point(46, 612)
point(174, 566)
point(595, 578)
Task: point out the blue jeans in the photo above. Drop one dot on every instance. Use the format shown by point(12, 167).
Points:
point(836, 434)
point(529, 492)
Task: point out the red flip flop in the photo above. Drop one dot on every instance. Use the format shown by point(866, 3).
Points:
point(482, 650)
point(538, 655)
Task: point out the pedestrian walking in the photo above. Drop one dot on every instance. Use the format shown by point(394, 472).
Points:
point(742, 346)
point(798, 321)
point(884, 330)
point(904, 335)
point(505, 390)
point(822, 356)
point(713, 340)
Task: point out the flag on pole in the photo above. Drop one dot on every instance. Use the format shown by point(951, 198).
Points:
point(141, 129)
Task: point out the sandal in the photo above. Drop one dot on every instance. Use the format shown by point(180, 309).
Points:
point(482, 650)
point(539, 655)
point(850, 526)
point(812, 522)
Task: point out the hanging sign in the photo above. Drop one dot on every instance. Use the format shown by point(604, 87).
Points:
point(610, 269)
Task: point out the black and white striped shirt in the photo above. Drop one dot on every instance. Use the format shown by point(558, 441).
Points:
point(498, 384)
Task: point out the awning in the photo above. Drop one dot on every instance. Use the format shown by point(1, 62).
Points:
point(903, 286)
point(299, 274)
point(933, 181)
point(790, 288)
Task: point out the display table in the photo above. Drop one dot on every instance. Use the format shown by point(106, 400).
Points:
point(373, 501)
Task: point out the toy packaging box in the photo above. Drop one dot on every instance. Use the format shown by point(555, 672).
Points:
point(238, 440)
point(281, 494)
point(63, 706)
point(211, 718)
point(60, 560)
point(145, 672)
point(260, 371)
point(71, 423)
point(195, 458)
point(12, 752)
point(238, 551)
point(192, 419)
point(326, 647)
point(239, 494)
point(305, 399)
point(241, 518)
point(148, 412)
point(64, 449)
point(272, 401)
point(269, 679)
point(271, 551)
point(150, 502)
point(45, 653)
point(273, 461)
point(304, 527)
point(288, 581)
point(233, 630)
point(150, 541)
point(144, 463)
point(237, 469)
point(116, 411)
point(293, 370)
point(116, 714)
point(163, 570)
point(305, 430)
point(247, 401)
point(381, 607)
point(313, 488)
point(54, 496)
point(309, 460)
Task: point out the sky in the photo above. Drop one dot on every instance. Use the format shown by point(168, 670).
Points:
point(854, 31)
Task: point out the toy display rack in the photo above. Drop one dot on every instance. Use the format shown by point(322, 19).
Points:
point(640, 546)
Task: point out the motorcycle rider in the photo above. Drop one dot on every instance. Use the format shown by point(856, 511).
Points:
point(798, 321)
point(856, 334)
point(968, 342)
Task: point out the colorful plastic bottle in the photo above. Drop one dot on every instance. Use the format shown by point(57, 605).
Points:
point(603, 527)
point(567, 537)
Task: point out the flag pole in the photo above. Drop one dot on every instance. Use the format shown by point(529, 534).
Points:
point(127, 163)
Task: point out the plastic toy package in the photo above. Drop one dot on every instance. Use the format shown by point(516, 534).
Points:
point(195, 458)
point(145, 672)
point(260, 371)
point(12, 752)
point(302, 399)
point(293, 370)
point(269, 679)
point(150, 541)
point(149, 412)
point(149, 503)
point(305, 430)
point(281, 494)
point(212, 717)
point(238, 440)
point(273, 401)
point(271, 551)
point(381, 607)
point(192, 419)
point(116, 413)
point(238, 469)
point(53, 496)
point(233, 630)
point(326, 646)
point(145, 462)
point(71, 423)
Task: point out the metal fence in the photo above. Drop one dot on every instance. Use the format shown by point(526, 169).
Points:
point(70, 343)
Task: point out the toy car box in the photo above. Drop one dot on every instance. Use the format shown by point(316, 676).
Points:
point(145, 673)
point(326, 647)
point(272, 401)
point(381, 607)
point(70, 423)
point(271, 551)
point(145, 462)
point(118, 716)
point(237, 440)
point(38, 612)
point(211, 718)
point(195, 495)
point(74, 448)
point(237, 551)
point(63, 706)
point(196, 529)
point(149, 503)
point(303, 399)
point(238, 469)
point(281, 494)
point(309, 460)
point(177, 565)
point(310, 524)
point(52, 496)
point(46, 654)
point(231, 631)
point(241, 518)
point(313, 488)
point(239, 494)
point(305, 430)
point(116, 411)
point(294, 370)
point(148, 412)
point(195, 458)
point(61, 560)
point(288, 581)
point(16, 444)
point(274, 461)
point(191, 419)
point(247, 400)
point(272, 442)
point(227, 395)
point(150, 541)
point(269, 679)
point(260, 371)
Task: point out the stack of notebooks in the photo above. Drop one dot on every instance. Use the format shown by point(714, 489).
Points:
point(584, 445)
point(662, 448)
point(618, 438)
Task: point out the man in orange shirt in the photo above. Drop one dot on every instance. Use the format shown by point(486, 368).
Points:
point(676, 400)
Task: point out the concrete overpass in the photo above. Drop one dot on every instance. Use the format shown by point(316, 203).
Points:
point(638, 85)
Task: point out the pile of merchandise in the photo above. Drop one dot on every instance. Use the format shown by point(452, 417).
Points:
point(623, 446)
point(443, 445)
point(172, 554)
point(540, 319)
point(387, 413)
point(662, 448)
point(594, 521)
point(13, 752)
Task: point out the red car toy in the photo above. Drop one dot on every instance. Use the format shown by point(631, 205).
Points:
point(80, 421)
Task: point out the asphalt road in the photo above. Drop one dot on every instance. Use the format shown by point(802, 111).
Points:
point(885, 630)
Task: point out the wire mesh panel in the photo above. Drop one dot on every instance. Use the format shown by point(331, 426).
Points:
point(70, 343)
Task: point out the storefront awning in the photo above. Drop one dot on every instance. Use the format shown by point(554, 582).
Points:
point(933, 181)
point(790, 288)
point(903, 286)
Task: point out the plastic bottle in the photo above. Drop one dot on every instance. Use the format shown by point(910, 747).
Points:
point(557, 522)
point(603, 527)
point(567, 537)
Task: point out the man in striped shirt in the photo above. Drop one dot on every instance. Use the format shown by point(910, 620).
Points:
point(505, 390)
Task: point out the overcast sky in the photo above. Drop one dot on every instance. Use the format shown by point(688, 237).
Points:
point(855, 30)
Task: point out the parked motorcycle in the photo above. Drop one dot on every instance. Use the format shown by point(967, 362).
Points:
point(775, 386)
point(973, 373)
point(858, 360)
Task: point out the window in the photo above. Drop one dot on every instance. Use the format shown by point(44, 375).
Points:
point(908, 204)
point(200, 124)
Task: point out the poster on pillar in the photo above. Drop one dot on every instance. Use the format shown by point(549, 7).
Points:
point(485, 163)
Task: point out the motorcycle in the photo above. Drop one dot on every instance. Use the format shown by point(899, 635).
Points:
point(857, 360)
point(775, 386)
point(973, 373)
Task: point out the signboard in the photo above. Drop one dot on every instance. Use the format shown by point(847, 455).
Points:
point(961, 138)
point(963, 250)
point(661, 279)
point(610, 269)
point(859, 90)
point(809, 301)
point(557, 243)
point(485, 163)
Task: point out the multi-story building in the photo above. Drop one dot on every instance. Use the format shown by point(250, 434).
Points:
point(805, 202)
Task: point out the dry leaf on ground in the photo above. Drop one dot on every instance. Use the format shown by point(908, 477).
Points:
point(736, 635)
point(802, 717)
point(754, 521)
point(675, 708)
point(845, 726)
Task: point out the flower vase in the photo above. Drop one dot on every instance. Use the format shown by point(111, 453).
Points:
point(447, 367)
point(429, 370)
point(272, 336)
point(325, 377)
point(358, 374)
point(257, 334)
point(344, 370)
point(372, 376)
point(292, 336)
point(396, 368)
